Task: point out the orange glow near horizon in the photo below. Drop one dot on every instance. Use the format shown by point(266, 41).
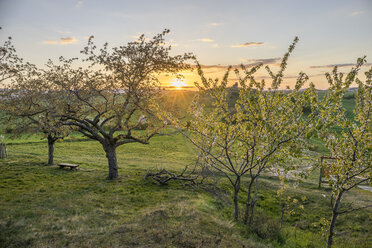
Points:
point(178, 84)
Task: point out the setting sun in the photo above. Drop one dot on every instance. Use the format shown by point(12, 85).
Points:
point(178, 84)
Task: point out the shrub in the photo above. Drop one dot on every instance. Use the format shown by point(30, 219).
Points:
point(267, 227)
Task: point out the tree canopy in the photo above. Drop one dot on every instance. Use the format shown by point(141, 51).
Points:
point(258, 131)
point(348, 140)
point(114, 99)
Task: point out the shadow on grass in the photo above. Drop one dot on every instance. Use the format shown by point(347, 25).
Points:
point(42, 141)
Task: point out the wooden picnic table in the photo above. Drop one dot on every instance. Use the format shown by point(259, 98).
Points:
point(71, 166)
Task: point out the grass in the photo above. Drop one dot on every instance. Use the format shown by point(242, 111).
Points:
point(44, 206)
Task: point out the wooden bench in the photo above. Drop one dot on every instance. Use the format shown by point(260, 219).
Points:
point(71, 166)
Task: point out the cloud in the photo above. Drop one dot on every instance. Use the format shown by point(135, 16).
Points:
point(68, 40)
point(50, 42)
point(290, 76)
point(247, 44)
point(215, 45)
point(205, 40)
point(338, 65)
point(62, 41)
point(63, 32)
point(272, 61)
point(250, 63)
point(215, 24)
point(355, 13)
point(79, 4)
point(214, 66)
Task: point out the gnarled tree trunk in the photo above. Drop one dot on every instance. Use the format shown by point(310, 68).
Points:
point(51, 141)
point(112, 162)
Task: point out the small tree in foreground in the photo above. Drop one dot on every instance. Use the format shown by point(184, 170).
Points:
point(349, 140)
point(25, 102)
point(30, 109)
point(257, 132)
point(113, 101)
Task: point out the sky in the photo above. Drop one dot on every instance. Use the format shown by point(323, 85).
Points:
point(219, 33)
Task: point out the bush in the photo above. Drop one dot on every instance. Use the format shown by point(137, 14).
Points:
point(267, 227)
point(8, 130)
point(306, 110)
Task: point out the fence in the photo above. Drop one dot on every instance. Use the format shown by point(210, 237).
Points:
point(324, 172)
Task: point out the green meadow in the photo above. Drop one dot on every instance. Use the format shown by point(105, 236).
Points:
point(45, 206)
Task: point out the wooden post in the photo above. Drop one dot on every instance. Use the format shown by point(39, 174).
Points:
point(321, 173)
point(3, 151)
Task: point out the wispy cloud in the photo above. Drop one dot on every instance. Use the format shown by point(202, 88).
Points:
point(355, 13)
point(214, 66)
point(50, 42)
point(68, 40)
point(247, 44)
point(62, 41)
point(215, 45)
point(253, 62)
point(63, 32)
point(215, 24)
point(262, 76)
point(248, 63)
point(338, 65)
point(205, 40)
point(79, 4)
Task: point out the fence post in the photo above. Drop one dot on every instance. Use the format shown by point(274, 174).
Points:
point(321, 173)
point(3, 151)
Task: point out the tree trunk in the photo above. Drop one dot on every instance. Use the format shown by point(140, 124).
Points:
point(282, 214)
point(333, 220)
point(236, 198)
point(254, 200)
point(51, 142)
point(112, 162)
point(248, 202)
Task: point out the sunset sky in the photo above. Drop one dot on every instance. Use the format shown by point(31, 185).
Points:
point(219, 33)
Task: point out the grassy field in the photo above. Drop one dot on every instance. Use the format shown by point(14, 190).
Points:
point(45, 206)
